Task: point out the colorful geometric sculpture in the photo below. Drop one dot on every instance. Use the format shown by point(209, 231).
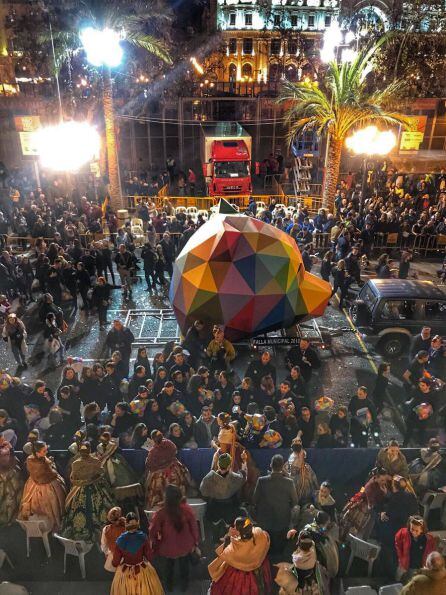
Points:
point(245, 275)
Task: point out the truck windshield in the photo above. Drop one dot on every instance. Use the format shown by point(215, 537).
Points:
point(231, 169)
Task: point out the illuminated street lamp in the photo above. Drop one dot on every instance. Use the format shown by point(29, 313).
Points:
point(102, 46)
point(68, 146)
point(368, 142)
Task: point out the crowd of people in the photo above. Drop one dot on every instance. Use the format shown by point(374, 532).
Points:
point(194, 395)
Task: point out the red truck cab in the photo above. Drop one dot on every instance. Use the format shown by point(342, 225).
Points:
point(226, 152)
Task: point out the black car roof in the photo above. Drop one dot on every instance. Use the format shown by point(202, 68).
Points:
point(407, 289)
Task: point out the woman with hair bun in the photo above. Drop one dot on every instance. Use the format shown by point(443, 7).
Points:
point(89, 499)
point(162, 468)
point(11, 480)
point(242, 565)
point(135, 574)
point(44, 492)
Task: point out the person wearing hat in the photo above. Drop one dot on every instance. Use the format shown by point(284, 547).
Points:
point(113, 529)
point(221, 488)
point(132, 556)
point(14, 333)
point(89, 499)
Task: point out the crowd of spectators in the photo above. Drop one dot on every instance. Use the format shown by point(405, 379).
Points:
point(192, 391)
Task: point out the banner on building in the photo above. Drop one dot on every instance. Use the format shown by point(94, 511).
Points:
point(26, 126)
point(411, 139)
point(28, 144)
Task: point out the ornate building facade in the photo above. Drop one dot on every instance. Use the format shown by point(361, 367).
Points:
point(268, 40)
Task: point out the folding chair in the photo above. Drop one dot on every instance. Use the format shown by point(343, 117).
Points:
point(394, 589)
point(5, 558)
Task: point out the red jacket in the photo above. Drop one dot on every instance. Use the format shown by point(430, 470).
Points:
point(169, 542)
point(402, 546)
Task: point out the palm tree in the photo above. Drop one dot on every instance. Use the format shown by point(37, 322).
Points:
point(341, 103)
point(133, 19)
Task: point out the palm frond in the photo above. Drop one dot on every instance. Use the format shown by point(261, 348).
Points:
point(150, 44)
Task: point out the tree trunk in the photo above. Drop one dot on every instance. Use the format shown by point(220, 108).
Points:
point(110, 139)
point(332, 173)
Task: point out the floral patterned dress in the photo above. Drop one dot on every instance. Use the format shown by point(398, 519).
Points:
point(88, 501)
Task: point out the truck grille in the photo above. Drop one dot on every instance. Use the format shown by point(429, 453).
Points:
point(232, 189)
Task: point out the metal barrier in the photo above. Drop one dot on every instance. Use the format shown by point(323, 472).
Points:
point(312, 203)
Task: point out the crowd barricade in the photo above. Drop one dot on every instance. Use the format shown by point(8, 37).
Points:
point(422, 245)
point(312, 203)
point(341, 466)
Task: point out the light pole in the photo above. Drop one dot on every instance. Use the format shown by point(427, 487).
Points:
point(334, 40)
point(369, 142)
point(103, 49)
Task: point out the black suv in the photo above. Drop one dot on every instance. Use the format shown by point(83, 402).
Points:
point(389, 311)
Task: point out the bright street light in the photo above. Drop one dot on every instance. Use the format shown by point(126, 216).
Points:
point(367, 142)
point(68, 146)
point(371, 141)
point(103, 47)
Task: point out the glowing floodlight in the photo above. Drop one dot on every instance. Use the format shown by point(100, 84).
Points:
point(198, 67)
point(103, 47)
point(371, 141)
point(68, 146)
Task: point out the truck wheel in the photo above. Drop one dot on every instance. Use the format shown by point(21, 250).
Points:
point(392, 346)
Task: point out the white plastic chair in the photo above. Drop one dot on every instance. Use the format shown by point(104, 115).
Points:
point(36, 527)
point(192, 211)
point(394, 589)
point(363, 590)
point(199, 507)
point(203, 213)
point(280, 206)
point(137, 222)
point(74, 548)
point(364, 551)
point(180, 210)
point(432, 501)
point(5, 558)
point(260, 205)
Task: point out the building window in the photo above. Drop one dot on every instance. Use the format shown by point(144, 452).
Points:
point(310, 21)
point(247, 46)
point(277, 20)
point(232, 72)
point(294, 20)
point(232, 45)
point(327, 20)
point(275, 47)
point(291, 73)
point(248, 19)
point(292, 48)
point(247, 70)
point(274, 72)
point(232, 17)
